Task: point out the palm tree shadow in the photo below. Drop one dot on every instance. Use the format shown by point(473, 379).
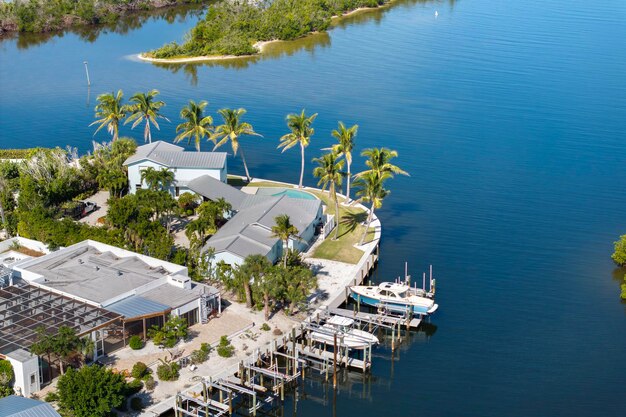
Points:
point(351, 220)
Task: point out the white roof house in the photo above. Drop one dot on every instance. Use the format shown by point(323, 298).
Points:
point(101, 291)
point(186, 165)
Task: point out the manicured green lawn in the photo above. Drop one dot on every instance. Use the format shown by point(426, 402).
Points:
point(262, 184)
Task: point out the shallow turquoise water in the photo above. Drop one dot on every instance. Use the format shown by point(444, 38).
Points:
point(510, 117)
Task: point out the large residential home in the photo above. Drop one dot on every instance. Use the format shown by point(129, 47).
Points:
point(185, 165)
point(249, 230)
point(103, 292)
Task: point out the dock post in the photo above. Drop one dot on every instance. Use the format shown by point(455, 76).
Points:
point(358, 303)
point(335, 361)
point(393, 338)
point(254, 403)
point(241, 373)
point(230, 403)
point(295, 355)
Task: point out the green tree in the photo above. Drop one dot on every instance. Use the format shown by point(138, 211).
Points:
point(174, 329)
point(110, 112)
point(4, 189)
point(301, 132)
point(231, 130)
point(379, 160)
point(157, 179)
point(370, 188)
point(91, 391)
point(196, 125)
point(619, 254)
point(269, 284)
point(329, 171)
point(251, 270)
point(284, 230)
point(345, 138)
point(210, 215)
point(300, 281)
point(6, 376)
point(144, 108)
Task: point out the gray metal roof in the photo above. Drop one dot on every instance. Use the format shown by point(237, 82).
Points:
point(214, 189)
point(172, 297)
point(85, 272)
point(16, 406)
point(249, 232)
point(175, 156)
point(136, 306)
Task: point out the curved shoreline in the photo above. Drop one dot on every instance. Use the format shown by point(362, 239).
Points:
point(259, 46)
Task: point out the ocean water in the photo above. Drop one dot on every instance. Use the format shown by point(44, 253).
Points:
point(511, 119)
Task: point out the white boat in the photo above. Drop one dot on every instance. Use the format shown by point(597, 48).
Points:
point(395, 297)
point(346, 335)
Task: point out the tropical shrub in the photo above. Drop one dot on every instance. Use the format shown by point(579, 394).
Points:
point(133, 387)
point(174, 329)
point(265, 327)
point(149, 383)
point(201, 355)
point(140, 370)
point(51, 397)
point(168, 371)
point(225, 349)
point(135, 343)
point(91, 391)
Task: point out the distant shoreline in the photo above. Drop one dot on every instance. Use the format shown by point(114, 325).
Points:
point(259, 46)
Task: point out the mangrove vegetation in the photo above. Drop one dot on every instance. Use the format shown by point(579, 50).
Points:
point(234, 27)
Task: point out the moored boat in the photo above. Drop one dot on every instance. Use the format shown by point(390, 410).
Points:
point(395, 297)
point(346, 335)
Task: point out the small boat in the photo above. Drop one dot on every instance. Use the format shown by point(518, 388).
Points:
point(396, 298)
point(346, 335)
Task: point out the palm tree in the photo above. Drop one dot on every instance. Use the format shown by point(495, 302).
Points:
point(284, 230)
point(301, 132)
point(231, 130)
point(329, 171)
point(345, 137)
point(371, 189)
point(196, 125)
point(379, 161)
point(110, 111)
point(157, 179)
point(144, 108)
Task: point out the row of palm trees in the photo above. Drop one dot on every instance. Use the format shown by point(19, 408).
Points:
point(196, 126)
point(144, 108)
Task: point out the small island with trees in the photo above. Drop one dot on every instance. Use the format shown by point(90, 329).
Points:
point(241, 28)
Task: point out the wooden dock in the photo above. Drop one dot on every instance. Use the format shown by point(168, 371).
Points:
point(389, 320)
point(327, 357)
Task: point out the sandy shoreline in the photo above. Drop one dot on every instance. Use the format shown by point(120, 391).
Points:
point(260, 45)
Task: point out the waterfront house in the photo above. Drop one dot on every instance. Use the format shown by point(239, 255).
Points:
point(185, 165)
point(16, 406)
point(103, 292)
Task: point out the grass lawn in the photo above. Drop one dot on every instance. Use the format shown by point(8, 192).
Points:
point(235, 181)
point(350, 228)
point(262, 184)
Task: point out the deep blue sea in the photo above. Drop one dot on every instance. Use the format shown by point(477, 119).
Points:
point(510, 117)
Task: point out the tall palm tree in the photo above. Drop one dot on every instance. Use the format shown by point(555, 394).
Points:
point(345, 136)
point(284, 230)
point(301, 132)
point(145, 109)
point(329, 172)
point(157, 179)
point(196, 125)
point(232, 129)
point(379, 160)
point(370, 185)
point(110, 112)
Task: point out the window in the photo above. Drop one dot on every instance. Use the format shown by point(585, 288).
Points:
point(32, 379)
point(138, 186)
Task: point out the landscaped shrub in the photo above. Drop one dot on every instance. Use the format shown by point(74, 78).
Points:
point(225, 349)
point(265, 327)
point(150, 383)
point(135, 342)
point(168, 371)
point(140, 370)
point(199, 356)
point(133, 387)
point(51, 397)
point(136, 404)
point(174, 329)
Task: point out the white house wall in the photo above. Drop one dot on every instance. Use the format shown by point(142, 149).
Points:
point(180, 174)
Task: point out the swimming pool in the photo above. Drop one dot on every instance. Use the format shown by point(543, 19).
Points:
point(279, 192)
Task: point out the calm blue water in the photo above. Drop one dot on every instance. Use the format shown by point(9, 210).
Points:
point(510, 117)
